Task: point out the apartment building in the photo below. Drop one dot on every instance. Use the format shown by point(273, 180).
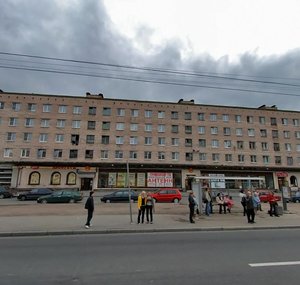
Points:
point(91, 142)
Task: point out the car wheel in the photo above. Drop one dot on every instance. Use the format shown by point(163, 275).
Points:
point(1, 196)
point(72, 201)
point(44, 201)
point(107, 201)
point(23, 198)
point(176, 201)
point(297, 201)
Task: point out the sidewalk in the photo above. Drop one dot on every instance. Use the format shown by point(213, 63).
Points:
point(64, 219)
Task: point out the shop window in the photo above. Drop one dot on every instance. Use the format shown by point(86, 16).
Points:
point(55, 178)
point(34, 178)
point(71, 178)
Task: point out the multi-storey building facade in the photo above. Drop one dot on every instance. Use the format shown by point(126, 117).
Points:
point(89, 142)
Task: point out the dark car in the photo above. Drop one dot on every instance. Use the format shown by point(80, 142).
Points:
point(5, 193)
point(34, 194)
point(64, 196)
point(167, 195)
point(120, 196)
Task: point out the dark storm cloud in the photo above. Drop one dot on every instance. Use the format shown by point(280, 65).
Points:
point(83, 31)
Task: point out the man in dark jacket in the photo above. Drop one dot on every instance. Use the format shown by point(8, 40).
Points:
point(192, 205)
point(250, 207)
point(89, 205)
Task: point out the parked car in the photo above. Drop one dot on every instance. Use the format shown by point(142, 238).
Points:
point(167, 195)
point(5, 193)
point(264, 196)
point(296, 198)
point(120, 196)
point(64, 196)
point(34, 194)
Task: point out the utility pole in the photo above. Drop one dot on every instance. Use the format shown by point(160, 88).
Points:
point(129, 192)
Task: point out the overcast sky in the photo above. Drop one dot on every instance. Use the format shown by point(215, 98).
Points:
point(221, 52)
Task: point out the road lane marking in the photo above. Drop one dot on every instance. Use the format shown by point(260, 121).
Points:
point(275, 264)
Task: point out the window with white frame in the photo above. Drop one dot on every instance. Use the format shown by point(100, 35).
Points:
point(90, 139)
point(104, 154)
point(134, 127)
point(161, 128)
point(297, 134)
point(238, 118)
point(148, 127)
point(59, 138)
point(239, 132)
point(106, 111)
point(189, 156)
point(147, 155)
point(215, 143)
point(31, 107)
point(251, 132)
point(25, 152)
point(273, 121)
point(60, 123)
point(241, 158)
point(213, 117)
point(120, 112)
point(175, 155)
point(106, 126)
point(175, 141)
point(240, 145)
point(118, 154)
point(47, 108)
point(264, 146)
point(252, 145)
point(287, 134)
point(1, 105)
point(41, 153)
point(45, 123)
point(202, 156)
point(148, 113)
point(16, 106)
point(201, 116)
point(120, 126)
point(188, 129)
point(226, 131)
point(250, 119)
point(57, 153)
point(92, 110)
point(187, 115)
point(133, 154)
point(284, 121)
point(174, 115)
point(228, 157)
point(215, 157)
point(134, 113)
point(8, 152)
point(161, 114)
point(29, 122)
point(288, 146)
point(133, 140)
point(91, 125)
point(188, 142)
point(298, 147)
point(201, 130)
point(12, 122)
point(289, 160)
point(119, 140)
point(275, 133)
point(148, 140)
point(227, 144)
point(263, 133)
point(76, 124)
point(43, 138)
point(77, 110)
point(161, 141)
point(296, 122)
point(161, 155)
point(27, 137)
point(253, 158)
point(202, 142)
point(266, 159)
point(262, 120)
point(225, 117)
point(174, 129)
point(11, 136)
point(278, 160)
point(62, 109)
point(214, 130)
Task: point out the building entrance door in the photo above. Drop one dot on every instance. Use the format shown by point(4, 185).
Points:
point(86, 184)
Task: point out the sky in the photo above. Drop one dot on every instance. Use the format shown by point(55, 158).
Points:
point(219, 52)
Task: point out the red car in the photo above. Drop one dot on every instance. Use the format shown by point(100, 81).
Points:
point(167, 195)
point(264, 196)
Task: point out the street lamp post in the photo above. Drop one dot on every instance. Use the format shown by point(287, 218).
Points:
point(129, 192)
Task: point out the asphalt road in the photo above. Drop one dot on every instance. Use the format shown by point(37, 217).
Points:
point(165, 258)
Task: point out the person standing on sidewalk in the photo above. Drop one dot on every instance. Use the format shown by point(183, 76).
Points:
point(149, 208)
point(250, 207)
point(207, 201)
point(141, 206)
point(89, 205)
point(192, 205)
point(243, 200)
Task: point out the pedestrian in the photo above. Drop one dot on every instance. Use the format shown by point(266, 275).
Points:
point(149, 208)
point(192, 205)
point(207, 201)
point(228, 202)
point(141, 207)
point(273, 204)
point(221, 203)
point(257, 203)
point(89, 205)
point(250, 207)
point(243, 200)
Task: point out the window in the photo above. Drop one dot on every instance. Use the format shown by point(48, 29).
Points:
point(148, 127)
point(47, 108)
point(253, 158)
point(284, 121)
point(1, 105)
point(174, 129)
point(215, 157)
point(119, 140)
point(240, 144)
point(188, 129)
point(106, 111)
point(161, 114)
point(8, 152)
point(148, 140)
point(161, 155)
point(134, 113)
point(298, 147)
point(59, 138)
point(31, 107)
point(29, 122)
point(227, 144)
point(89, 153)
point(175, 142)
point(55, 178)
point(90, 139)
point(73, 153)
point(289, 160)
point(62, 109)
point(251, 132)
point(202, 156)
point(45, 123)
point(11, 137)
point(74, 139)
point(104, 154)
point(276, 147)
point(175, 155)
point(264, 146)
point(77, 110)
point(266, 159)
point(92, 111)
point(27, 137)
point(57, 153)
point(34, 178)
point(41, 153)
point(296, 122)
point(133, 140)
point(13, 122)
point(202, 142)
point(188, 156)
point(238, 118)
point(228, 157)
point(241, 158)
point(213, 117)
point(225, 117)
point(201, 130)
point(252, 145)
point(120, 126)
point(188, 142)
point(273, 122)
point(250, 119)
point(226, 131)
point(76, 124)
point(239, 132)
point(187, 115)
point(91, 125)
point(161, 141)
point(161, 128)
point(147, 154)
point(263, 133)
point(262, 120)
point(174, 115)
point(215, 143)
point(274, 134)
point(297, 134)
point(105, 139)
point(118, 154)
point(25, 152)
point(201, 117)
point(43, 137)
point(214, 130)
point(120, 112)
point(134, 127)
point(60, 123)
point(288, 147)
point(16, 106)
point(148, 113)
point(286, 134)
point(277, 159)
point(133, 154)
point(105, 126)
